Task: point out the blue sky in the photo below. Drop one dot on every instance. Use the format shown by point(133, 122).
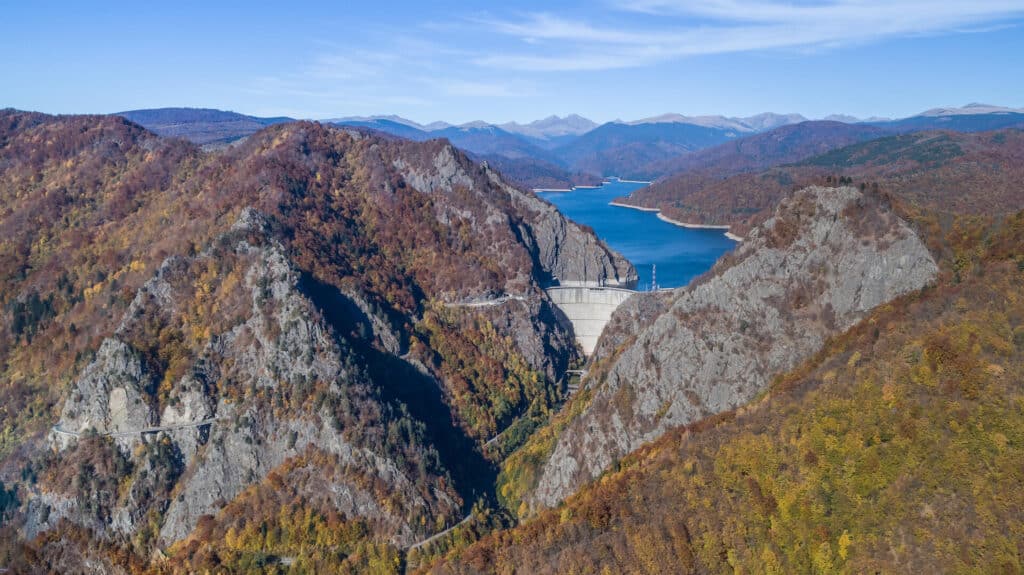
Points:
point(462, 61)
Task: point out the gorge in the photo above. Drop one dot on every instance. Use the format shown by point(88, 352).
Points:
point(359, 353)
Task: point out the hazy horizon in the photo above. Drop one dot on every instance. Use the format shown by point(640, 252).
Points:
point(469, 61)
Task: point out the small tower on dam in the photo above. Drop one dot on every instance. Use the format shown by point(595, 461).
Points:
point(588, 308)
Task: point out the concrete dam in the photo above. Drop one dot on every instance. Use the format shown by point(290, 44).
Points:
point(588, 308)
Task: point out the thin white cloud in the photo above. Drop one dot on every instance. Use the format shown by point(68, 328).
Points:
point(690, 28)
point(478, 89)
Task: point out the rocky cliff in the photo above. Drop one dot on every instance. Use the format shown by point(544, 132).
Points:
point(270, 382)
point(824, 259)
point(560, 249)
point(215, 344)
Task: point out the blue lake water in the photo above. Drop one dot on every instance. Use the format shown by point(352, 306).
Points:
point(680, 254)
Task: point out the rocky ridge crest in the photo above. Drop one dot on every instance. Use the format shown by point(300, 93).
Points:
point(825, 259)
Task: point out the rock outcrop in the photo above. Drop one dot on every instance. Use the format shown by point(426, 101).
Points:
point(826, 258)
point(287, 311)
point(562, 250)
point(571, 255)
point(251, 386)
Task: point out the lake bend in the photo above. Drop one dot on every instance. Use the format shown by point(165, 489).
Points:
point(680, 253)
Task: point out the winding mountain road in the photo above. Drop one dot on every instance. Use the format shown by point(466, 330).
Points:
point(59, 430)
point(487, 302)
point(437, 536)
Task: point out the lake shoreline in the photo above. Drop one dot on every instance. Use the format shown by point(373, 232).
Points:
point(609, 180)
point(677, 253)
point(639, 208)
point(669, 220)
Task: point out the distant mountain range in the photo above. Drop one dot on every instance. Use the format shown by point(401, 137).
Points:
point(571, 150)
point(550, 128)
point(750, 124)
point(784, 144)
point(971, 173)
point(203, 126)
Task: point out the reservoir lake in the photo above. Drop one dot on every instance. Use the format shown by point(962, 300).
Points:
point(679, 253)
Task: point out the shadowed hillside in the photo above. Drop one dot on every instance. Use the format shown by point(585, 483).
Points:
point(275, 314)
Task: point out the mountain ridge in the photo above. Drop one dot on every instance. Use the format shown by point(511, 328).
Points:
point(297, 316)
point(931, 167)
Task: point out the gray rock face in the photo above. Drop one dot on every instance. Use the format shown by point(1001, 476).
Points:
point(110, 396)
point(230, 365)
point(564, 250)
point(560, 248)
point(559, 251)
point(243, 379)
point(825, 259)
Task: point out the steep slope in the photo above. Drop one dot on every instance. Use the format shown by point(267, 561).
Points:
point(826, 258)
point(202, 126)
point(251, 378)
point(537, 174)
point(893, 450)
point(288, 311)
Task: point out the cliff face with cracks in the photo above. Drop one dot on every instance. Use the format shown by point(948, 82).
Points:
point(824, 259)
point(276, 383)
point(295, 340)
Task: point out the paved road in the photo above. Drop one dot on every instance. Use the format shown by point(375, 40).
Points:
point(487, 302)
point(436, 536)
point(57, 429)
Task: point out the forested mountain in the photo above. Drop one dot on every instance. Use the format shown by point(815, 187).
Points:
point(893, 448)
point(963, 172)
point(628, 151)
point(203, 126)
point(789, 143)
point(515, 156)
point(611, 149)
point(970, 118)
point(327, 349)
point(201, 348)
point(561, 152)
point(826, 258)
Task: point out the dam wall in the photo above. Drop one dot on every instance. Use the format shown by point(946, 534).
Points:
point(588, 308)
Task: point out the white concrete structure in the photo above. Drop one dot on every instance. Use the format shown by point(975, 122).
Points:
point(588, 308)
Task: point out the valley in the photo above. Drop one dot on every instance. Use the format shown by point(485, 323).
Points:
point(325, 348)
point(639, 287)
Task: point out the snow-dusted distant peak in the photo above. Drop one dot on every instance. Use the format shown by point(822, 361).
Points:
point(771, 120)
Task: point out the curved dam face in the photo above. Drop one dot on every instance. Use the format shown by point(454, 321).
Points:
point(588, 308)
